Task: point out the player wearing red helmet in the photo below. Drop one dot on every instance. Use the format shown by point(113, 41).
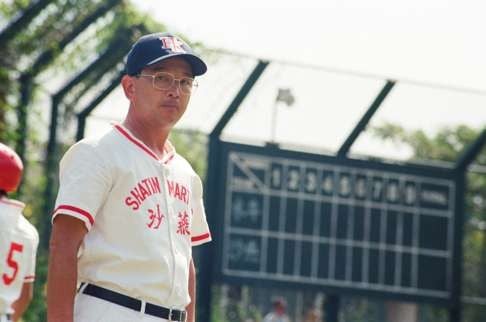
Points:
point(11, 169)
point(18, 242)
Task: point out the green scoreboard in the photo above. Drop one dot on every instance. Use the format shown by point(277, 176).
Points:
point(343, 225)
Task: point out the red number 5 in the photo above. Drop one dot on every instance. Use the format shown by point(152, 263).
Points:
point(14, 247)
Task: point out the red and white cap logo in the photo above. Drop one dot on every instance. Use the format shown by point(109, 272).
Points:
point(174, 44)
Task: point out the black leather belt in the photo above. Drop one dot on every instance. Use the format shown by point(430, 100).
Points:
point(134, 304)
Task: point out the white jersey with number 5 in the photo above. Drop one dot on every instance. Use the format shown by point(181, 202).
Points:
point(18, 248)
point(142, 214)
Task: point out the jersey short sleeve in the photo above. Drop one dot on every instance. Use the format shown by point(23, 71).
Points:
point(30, 261)
point(200, 233)
point(84, 181)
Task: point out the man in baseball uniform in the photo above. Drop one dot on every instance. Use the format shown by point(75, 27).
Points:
point(129, 208)
point(18, 242)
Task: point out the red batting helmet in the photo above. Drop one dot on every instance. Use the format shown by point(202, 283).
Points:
point(10, 169)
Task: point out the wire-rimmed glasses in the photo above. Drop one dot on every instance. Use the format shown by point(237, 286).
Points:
point(164, 81)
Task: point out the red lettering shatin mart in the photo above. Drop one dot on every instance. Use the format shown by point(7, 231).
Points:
point(145, 188)
point(149, 186)
point(178, 191)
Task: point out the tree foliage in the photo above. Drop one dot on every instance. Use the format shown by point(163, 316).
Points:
point(49, 33)
point(447, 145)
point(193, 146)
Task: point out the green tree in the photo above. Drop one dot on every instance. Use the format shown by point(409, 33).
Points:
point(43, 36)
point(446, 145)
point(193, 146)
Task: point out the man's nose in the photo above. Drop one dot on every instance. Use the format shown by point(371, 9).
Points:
point(175, 88)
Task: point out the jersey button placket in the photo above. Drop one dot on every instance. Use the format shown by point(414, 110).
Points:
point(165, 173)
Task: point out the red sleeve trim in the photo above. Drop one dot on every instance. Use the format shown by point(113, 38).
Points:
point(200, 237)
point(29, 278)
point(12, 202)
point(78, 210)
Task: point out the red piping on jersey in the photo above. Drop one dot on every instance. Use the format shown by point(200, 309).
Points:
point(142, 146)
point(78, 210)
point(12, 202)
point(200, 237)
point(29, 278)
point(170, 158)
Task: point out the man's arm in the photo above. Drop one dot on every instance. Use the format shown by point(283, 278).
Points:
point(191, 308)
point(67, 235)
point(21, 304)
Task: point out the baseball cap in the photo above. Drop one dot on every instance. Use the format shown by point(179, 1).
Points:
point(279, 301)
point(156, 47)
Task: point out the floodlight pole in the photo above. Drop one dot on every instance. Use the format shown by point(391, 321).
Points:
point(273, 134)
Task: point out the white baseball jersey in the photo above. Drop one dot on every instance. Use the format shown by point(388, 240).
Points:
point(142, 214)
point(273, 317)
point(18, 248)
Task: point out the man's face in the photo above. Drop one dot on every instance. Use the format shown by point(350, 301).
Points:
point(162, 107)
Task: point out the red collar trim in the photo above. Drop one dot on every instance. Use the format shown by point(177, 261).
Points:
point(12, 202)
point(169, 151)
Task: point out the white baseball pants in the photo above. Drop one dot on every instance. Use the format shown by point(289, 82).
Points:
point(92, 309)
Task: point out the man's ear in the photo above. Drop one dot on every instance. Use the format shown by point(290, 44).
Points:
point(128, 84)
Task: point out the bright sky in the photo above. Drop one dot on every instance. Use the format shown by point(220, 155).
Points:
point(432, 40)
point(437, 42)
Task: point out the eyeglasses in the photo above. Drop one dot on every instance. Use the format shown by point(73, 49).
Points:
point(164, 81)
